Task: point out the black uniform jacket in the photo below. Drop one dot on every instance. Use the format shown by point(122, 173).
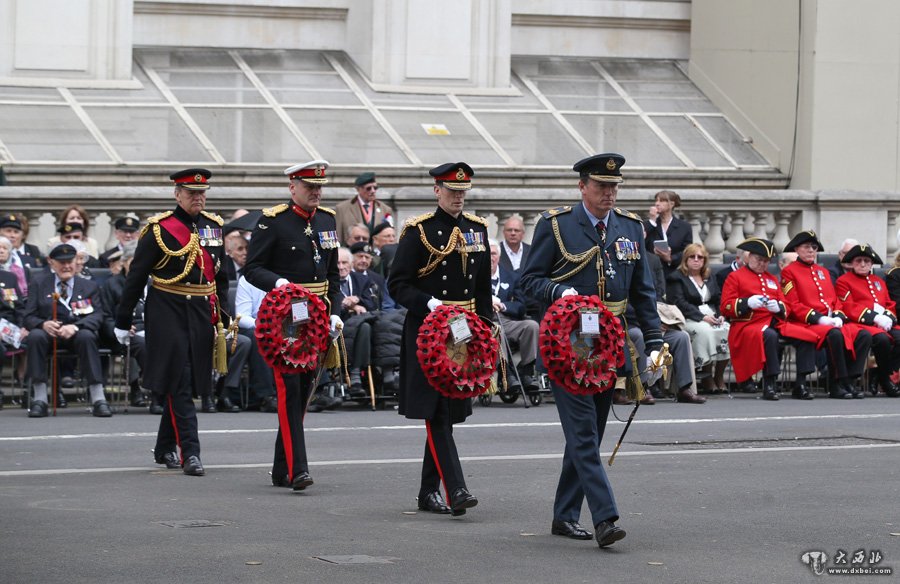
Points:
point(448, 280)
point(84, 309)
point(282, 247)
point(12, 302)
point(178, 326)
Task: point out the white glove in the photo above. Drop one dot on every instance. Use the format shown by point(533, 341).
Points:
point(773, 306)
point(281, 282)
point(883, 321)
point(825, 321)
point(434, 303)
point(336, 323)
point(653, 358)
point(756, 301)
point(122, 335)
point(569, 292)
point(838, 323)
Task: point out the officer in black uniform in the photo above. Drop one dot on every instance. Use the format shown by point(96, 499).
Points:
point(591, 248)
point(442, 258)
point(181, 252)
point(296, 242)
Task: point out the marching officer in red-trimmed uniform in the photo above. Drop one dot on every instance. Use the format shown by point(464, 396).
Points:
point(431, 268)
point(865, 301)
point(181, 252)
point(297, 242)
point(814, 306)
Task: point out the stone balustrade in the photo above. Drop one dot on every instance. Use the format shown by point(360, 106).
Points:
point(719, 218)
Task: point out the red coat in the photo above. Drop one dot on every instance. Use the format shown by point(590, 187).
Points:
point(745, 339)
point(859, 294)
point(809, 295)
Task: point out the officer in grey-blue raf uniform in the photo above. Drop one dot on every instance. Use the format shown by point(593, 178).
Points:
point(612, 265)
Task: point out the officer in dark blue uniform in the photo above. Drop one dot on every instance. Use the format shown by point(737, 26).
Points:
point(181, 252)
point(296, 242)
point(591, 248)
point(442, 258)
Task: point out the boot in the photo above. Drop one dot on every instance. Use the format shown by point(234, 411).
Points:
point(855, 390)
point(136, 395)
point(840, 389)
point(769, 391)
point(526, 374)
point(207, 405)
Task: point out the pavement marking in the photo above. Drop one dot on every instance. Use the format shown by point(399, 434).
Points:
point(418, 460)
point(662, 421)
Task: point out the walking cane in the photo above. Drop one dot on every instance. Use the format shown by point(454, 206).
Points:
point(127, 381)
point(508, 351)
point(371, 386)
point(55, 371)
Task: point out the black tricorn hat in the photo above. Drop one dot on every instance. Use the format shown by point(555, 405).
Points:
point(862, 250)
point(803, 237)
point(759, 246)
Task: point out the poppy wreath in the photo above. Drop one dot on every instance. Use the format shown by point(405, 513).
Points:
point(467, 371)
point(287, 355)
point(592, 368)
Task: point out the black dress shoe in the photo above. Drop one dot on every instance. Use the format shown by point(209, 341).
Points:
point(301, 481)
point(207, 405)
point(170, 459)
point(193, 467)
point(226, 405)
point(101, 409)
point(281, 481)
point(356, 390)
point(61, 400)
point(840, 392)
point(892, 390)
point(856, 392)
point(136, 396)
point(769, 392)
point(156, 408)
point(38, 409)
point(460, 500)
point(269, 405)
point(570, 529)
point(800, 391)
point(434, 503)
point(608, 533)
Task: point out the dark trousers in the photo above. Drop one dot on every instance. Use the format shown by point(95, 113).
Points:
point(84, 344)
point(886, 348)
point(290, 444)
point(441, 460)
point(583, 419)
point(178, 425)
point(362, 347)
point(841, 363)
point(262, 382)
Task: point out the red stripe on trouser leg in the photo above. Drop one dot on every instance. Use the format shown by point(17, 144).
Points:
point(285, 427)
point(175, 429)
point(434, 456)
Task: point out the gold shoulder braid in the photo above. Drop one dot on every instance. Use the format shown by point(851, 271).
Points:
point(580, 260)
point(272, 211)
point(213, 217)
point(413, 221)
point(192, 250)
point(436, 256)
point(328, 210)
point(476, 219)
point(153, 220)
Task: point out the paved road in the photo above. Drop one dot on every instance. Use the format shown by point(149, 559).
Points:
point(732, 491)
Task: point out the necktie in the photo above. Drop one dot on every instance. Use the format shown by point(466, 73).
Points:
point(345, 287)
point(366, 207)
point(601, 230)
point(63, 290)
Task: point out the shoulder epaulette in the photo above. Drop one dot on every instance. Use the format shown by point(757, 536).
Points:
point(557, 211)
point(272, 211)
point(213, 217)
point(628, 214)
point(154, 220)
point(413, 221)
point(476, 219)
point(327, 210)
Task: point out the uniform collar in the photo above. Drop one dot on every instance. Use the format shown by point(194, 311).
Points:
point(186, 217)
point(446, 217)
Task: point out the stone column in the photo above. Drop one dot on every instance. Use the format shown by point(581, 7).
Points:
point(715, 245)
point(782, 236)
point(696, 221)
point(738, 219)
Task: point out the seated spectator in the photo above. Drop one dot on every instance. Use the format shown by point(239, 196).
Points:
point(362, 261)
point(79, 314)
point(694, 292)
point(839, 268)
point(76, 214)
point(892, 279)
point(752, 300)
point(236, 257)
point(513, 251)
point(126, 229)
point(739, 262)
point(670, 235)
point(357, 233)
point(356, 301)
point(383, 237)
point(228, 387)
point(12, 264)
point(14, 226)
point(866, 301)
point(111, 295)
point(71, 232)
point(816, 312)
point(262, 381)
point(82, 260)
point(786, 259)
point(363, 208)
point(12, 304)
point(509, 305)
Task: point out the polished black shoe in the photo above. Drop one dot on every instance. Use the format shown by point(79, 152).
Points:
point(136, 396)
point(434, 503)
point(269, 405)
point(528, 381)
point(38, 409)
point(282, 481)
point(357, 391)
point(156, 407)
point(856, 392)
point(892, 390)
point(749, 386)
point(608, 533)
point(101, 409)
point(769, 391)
point(170, 459)
point(301, 481)
point(460, 500)
point(570, 529)
point(800, 391)
point(61, 400)
point(226, 405)
point(207, 405)
point(193, 467)
point(840, 392)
